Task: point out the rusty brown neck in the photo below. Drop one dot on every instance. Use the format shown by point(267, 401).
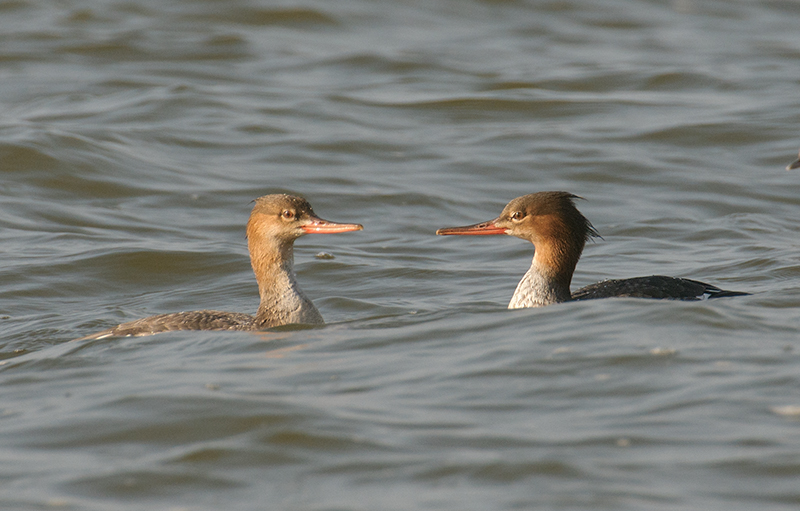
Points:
point(557, 251)
point(281, 299)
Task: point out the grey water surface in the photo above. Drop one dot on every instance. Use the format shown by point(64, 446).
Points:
point(135, 133)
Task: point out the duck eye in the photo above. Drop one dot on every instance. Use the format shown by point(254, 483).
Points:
point(287, 214)
point(518, 215)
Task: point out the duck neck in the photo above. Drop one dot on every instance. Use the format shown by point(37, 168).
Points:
point(547, 280)
point(282, 300)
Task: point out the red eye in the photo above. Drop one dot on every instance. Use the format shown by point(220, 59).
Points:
point(287, 214)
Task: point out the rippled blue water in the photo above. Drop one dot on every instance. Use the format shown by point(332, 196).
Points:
point(133, 136)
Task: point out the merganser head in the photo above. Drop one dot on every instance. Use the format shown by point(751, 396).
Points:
point(550, 221)
point(534, 217)
point(286, 218)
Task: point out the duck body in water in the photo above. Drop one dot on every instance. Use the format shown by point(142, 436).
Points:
point(559, 233)
point(275, 223)
point(795, 164)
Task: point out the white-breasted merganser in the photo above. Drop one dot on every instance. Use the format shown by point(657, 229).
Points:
point(275, 223)
point(559, 232)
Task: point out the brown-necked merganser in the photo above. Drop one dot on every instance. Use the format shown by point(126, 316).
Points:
point(559, 232)
point(275, 223)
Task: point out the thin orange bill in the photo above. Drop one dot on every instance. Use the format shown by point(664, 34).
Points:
point(320, 226)
point(483, 228)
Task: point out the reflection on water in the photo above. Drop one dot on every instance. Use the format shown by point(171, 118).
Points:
point(134, 135)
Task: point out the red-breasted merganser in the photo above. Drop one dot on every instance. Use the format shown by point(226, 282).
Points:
point(275, 223)
point(559, 232)
point(795, 164)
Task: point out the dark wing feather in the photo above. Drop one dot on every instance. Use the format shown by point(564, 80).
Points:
point(654, 286)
